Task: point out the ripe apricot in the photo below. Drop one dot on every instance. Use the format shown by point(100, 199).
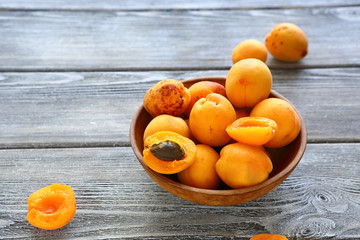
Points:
point(168, 152)
point(250, 48)
point(268, 237)
point(252, 130)
point(241, 165)
point(287, 42)
point(209, 118)
point(51, 207)
point(168, 96)
point(165, 122)
point(202, 173)
point(285, 116)
point(202, 89)
point(248, 82)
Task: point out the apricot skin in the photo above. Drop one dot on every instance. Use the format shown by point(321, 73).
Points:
point(268, 237)
point(248, 82)
point(249, 48)
point(202, 173)
point(287, 42)
point(169, 96)
point(241, 165)
point(167, 122)
point(284, 115)
point(202, 89)
point(209, 118)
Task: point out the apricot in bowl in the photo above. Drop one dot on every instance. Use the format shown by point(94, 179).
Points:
point(284, 161)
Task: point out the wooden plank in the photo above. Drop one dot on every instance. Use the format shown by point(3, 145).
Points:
point(95, 108)
point(142, 40)
point(144, 5)
point(116, 199)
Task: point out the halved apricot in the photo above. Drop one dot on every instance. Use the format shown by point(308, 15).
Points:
point(252, 130)
point(168, 152)
point(51, 207)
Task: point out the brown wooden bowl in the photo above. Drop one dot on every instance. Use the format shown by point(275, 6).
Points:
point(284, 160)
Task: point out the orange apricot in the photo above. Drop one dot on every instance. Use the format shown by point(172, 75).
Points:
point(241, 165)
point(168, 152)
point(252, 130)
point(266, 236)
point(209, 118)
point(202, 173)
point(285, 116)
point(165, 122)
point(168, 96)
point(287, 42)
point(250, 48)
point(202, 89)
point(248, 82)
point(51, 207)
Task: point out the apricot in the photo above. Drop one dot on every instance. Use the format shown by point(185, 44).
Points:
point(165, 122)
point(241, 165)
point(202, 173)
point(285, 116)
point(209, 118)
point(202, 89)
point(252, 130)
point(268, 237)
point(168, 96)
point(51, 207)
point(250, 48)
point(287, 42)
point(168, 152)
point(248, 82)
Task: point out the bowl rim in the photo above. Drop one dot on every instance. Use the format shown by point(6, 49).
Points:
point(220, 192)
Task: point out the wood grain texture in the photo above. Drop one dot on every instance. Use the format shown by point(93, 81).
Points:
point(116, 199)
point(95, 108)
point(142, 40)
point(144, 5)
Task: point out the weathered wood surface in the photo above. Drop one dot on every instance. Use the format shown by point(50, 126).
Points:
point(116, 199)
point(95, 108)
point(142, 40)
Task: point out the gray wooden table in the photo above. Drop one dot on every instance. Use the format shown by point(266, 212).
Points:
point(72, 74)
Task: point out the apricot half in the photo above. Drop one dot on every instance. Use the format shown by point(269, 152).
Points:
point(168, 152)
point(266, 236)
point(248, 82)
point(51, 207)
point(168, 96)
point(287, 42)
point(252, 130)
point(284, 115)
point(250, 48)
point(241, 165)
point(209, 118)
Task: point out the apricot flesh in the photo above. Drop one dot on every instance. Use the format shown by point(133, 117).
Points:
point(209, 118)
point(266, 236)
point(168, 96)
point(248, 82)
point(287, 42)
point(241, 165)
point(252, 130)
point(250, 48)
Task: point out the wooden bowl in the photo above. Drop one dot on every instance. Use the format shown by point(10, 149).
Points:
point(284, 160)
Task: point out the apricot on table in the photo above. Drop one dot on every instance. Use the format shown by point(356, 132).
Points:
point(252, 130)
point(51, 207)
point(287, 42)
point(248, 82)
point(241, 165)
point(285, 116)
point(202, 89)
point(168, 152)
point(266, 236)
point(209, 118)
point(250, 48)
point(202, 173)
point(168, 96)
point(165, 122)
